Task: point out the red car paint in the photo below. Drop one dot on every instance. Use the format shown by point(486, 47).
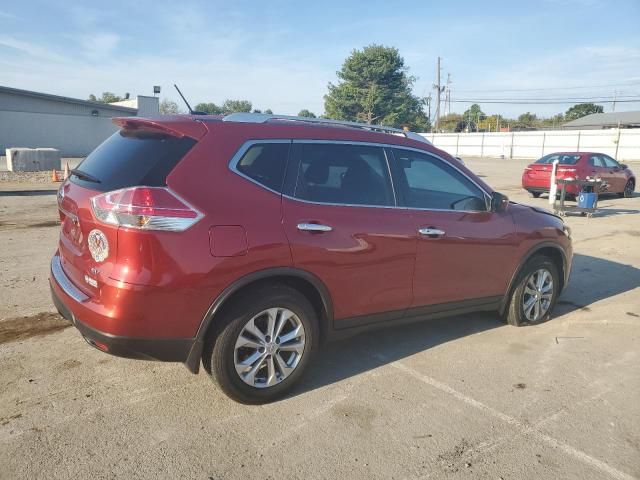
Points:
point(157, 287)
point(536, 176)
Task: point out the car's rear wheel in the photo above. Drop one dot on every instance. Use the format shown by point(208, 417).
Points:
point(535, 293)
point(629, 187)
point(263, 344)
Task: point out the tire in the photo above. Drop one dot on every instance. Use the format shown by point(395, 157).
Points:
point(515, 314)
point(628, 189)
point(255, 307)
point(535, 194)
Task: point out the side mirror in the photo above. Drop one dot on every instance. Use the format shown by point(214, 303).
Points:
point(623, 166)
point(499, 202)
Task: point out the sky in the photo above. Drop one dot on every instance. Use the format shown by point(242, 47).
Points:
point(282, 54)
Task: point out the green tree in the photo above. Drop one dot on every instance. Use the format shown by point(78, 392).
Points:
point(229, 106)
point(528, 118)
point(306, 113)
point(474, 112)
point(375, 87)
point(582, 109)
point(448, 123)
point(232, 106)
point(169, 107)
point(209, 108)
point(107, 97)
point(268, 111)
point(553, 122)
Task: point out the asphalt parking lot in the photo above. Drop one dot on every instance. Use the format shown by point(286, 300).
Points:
point(464, 397)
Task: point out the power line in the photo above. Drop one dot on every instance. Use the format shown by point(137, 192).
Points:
point(560, 99)
point(627, 84)
point(535, 102)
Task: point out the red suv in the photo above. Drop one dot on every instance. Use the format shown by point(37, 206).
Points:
point(245, 241)
point(618, 177)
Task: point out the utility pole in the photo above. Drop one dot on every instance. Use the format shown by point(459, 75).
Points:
point(428, 100)
point(447, 107)
point(615, 97)
point(438, 90)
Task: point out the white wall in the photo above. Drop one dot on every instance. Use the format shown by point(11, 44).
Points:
point(623, 144)
point(73, 135)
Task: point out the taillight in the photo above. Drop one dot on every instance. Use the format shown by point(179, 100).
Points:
point(147, 208)
point(567, 170)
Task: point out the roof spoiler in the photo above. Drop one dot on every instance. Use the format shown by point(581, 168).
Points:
point(146, 125)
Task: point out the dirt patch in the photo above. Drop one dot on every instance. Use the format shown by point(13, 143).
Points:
point(21, 328)
point(15, 226)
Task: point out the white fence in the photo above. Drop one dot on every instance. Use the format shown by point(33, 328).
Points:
point(622, 144)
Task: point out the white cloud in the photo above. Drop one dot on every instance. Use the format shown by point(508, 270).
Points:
point(32, 49)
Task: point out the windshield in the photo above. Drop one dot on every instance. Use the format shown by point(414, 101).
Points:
point(563, 159)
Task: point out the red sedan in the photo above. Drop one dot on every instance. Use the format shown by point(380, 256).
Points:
point(618, 177)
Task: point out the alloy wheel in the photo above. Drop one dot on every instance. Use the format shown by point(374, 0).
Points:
point(538, 294)
point(629, 188)
point(269, 347)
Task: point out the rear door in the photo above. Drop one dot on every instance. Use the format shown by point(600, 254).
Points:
point(465, 253)
point(340, 218)
point(127, 158)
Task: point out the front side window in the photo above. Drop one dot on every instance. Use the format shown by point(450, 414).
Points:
point(343, 174)
point(427, 182)
point(265, 163)
point(609, 162)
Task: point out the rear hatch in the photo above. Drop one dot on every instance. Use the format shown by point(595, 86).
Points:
point(141, 154)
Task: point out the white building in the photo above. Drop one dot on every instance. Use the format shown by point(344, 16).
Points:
point(73, 126)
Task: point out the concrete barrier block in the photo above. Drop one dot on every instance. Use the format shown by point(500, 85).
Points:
point(33, 159)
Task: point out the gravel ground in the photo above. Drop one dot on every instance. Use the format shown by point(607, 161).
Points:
point(465, 397)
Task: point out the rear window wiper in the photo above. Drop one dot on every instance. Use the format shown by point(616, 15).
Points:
point(84, 176)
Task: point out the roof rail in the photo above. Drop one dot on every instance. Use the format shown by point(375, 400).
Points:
point(246, 117)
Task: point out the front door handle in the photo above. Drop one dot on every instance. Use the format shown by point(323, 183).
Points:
point(431, 232)
point(314, 227)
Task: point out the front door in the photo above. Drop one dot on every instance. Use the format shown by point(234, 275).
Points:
point(617, 175)
point(340, 218)
point(465, 253)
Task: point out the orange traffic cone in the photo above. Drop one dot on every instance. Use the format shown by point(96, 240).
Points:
point(54, 176)
point(66, 171)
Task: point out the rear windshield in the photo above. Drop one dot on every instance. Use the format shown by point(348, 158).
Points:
point(562, 159)
point(127, 159)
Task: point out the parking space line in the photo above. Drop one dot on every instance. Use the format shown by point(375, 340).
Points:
point(523, 428)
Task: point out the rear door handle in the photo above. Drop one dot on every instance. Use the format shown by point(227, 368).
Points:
point(314, 227)
point(431, 232)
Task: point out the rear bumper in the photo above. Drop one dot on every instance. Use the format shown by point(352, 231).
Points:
point(542, 186)
point(69, 301)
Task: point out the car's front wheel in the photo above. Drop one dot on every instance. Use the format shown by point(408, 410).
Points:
point(629, 187)
point(535, 293)
point(264, 342)
point(535, 194)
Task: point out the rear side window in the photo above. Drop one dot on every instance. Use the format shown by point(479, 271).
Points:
point(343, 174)
point(128, 159)
point(562, 159)
point(596, 161)
point(265, 163)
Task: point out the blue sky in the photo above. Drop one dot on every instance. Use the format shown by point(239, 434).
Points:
point(281, 54)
